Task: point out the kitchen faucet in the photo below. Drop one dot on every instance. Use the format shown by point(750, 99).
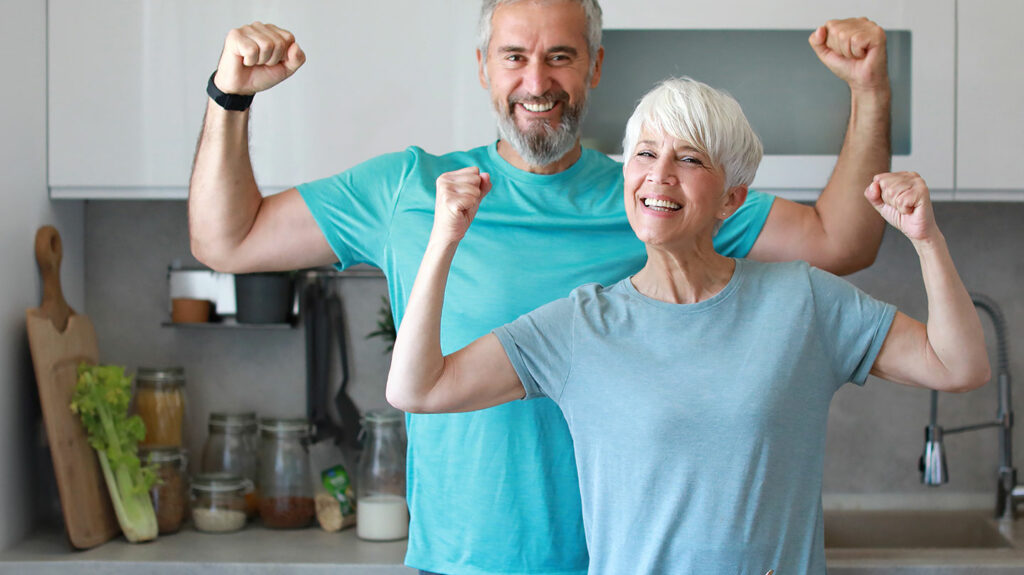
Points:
point(933, 461)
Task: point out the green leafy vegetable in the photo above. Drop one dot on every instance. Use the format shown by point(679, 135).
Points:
point(385, 325)
point(101, 399)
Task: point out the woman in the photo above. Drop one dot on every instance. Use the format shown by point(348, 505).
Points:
point(697, 390)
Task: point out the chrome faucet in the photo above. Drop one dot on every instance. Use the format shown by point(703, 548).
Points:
point(933, 460)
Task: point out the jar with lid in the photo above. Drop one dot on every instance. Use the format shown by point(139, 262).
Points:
point(231, 447)
point(381, 510)
point(218, 502)
point(169, 493)
point(160, 402)
point(285, 479)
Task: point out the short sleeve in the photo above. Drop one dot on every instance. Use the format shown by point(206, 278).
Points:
point(539, 345)
point(354, 208)
point(853, 324)
point(739, 232)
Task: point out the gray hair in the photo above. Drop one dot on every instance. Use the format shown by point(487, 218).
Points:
point(591, 9)
point(708, 119)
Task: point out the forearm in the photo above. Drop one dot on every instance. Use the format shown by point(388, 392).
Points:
point(223, 197)
point(956, 341)
point(853, 231)
point(417, 363)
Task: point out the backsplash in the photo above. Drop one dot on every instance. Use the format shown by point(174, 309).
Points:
point(875, 433)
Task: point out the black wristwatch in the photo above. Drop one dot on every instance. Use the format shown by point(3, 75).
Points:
point(235, 102)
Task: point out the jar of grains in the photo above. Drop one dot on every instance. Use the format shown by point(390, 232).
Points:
point(160, 402)
point(169, 493)
point(231, 447)
point(286, 481)
point(218, 502)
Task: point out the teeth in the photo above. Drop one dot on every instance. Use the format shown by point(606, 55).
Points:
point(538, 107)
point(667, 205)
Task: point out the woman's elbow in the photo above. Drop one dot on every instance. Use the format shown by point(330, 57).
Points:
point(970, 380)
point(400, 400)
point(405, 400)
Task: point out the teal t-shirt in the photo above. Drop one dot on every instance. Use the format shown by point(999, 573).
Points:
point(495, 491)
point(699, 429)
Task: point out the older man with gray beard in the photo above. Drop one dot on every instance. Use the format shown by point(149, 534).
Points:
point(496, 491)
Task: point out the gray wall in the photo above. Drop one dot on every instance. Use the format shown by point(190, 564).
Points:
point(25, 208)
point(875, 433)
point(128, 250)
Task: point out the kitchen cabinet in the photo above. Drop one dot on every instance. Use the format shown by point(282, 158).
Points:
point(127, 83)
point(921, 61)
point(990, 115)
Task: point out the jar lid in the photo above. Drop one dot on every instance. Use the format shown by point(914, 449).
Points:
point(275, 425)
point(157, 376)
point(246, 419)
point(382, 416)
point(161, 454)
point(218, 482)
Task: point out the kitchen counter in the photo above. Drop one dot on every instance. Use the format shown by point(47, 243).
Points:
point(263, 551)
point(253, 550)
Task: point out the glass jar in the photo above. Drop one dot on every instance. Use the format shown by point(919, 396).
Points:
point(160, 402)
point(381, 510)
point(170, 492)
point(218, 502)
point(231, 447)
point(286, 480)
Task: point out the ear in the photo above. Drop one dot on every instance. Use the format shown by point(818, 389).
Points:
point(480, 63)
point(733, 199)
point(596, 78)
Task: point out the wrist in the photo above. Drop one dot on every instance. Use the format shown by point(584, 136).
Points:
point(232, 102)
point(932, 243)
point(441, 244)
point(877, 96)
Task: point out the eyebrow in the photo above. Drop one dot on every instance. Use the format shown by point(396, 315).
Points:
point(682, 148)
point(512, 49)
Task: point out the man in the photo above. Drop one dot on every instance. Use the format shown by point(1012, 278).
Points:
point(497, 491)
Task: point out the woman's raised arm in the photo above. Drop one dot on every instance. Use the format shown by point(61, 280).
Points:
point(947, 354)
point(480, 375)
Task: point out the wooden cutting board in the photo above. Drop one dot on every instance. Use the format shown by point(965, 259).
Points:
point(60, 339)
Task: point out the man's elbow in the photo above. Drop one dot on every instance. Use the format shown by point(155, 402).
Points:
point(848, 261)
point(219, 260)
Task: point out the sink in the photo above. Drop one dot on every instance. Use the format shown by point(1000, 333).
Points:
point(912, 530)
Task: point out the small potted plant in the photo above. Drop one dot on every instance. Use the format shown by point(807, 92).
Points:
point(385, 325)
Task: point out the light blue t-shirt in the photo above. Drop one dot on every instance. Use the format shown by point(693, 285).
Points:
point(495, 491)
point(699, 429)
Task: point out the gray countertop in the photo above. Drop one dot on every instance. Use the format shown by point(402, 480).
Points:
point(255, 550)
point(264, 551)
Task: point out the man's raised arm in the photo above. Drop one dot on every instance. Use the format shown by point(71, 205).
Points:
point(841, 233)
point(231, 226)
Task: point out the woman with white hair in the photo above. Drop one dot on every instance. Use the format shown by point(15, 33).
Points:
point(696, 390)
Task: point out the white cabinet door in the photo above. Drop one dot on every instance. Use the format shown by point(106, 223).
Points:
point(127, 85)
point(931, 24)
point(990, 108)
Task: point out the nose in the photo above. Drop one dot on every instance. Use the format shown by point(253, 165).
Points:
point(536, 78)
point(661, 171)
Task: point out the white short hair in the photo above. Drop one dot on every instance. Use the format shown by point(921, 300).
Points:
point(708, 119)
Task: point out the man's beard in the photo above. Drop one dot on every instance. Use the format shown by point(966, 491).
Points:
point(541, 144)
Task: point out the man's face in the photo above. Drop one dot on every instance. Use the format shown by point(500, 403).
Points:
point(538, 71)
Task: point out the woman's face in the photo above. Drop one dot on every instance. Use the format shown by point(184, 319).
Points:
point(673, 195)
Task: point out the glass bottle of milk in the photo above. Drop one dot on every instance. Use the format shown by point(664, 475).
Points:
point(381, 512)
